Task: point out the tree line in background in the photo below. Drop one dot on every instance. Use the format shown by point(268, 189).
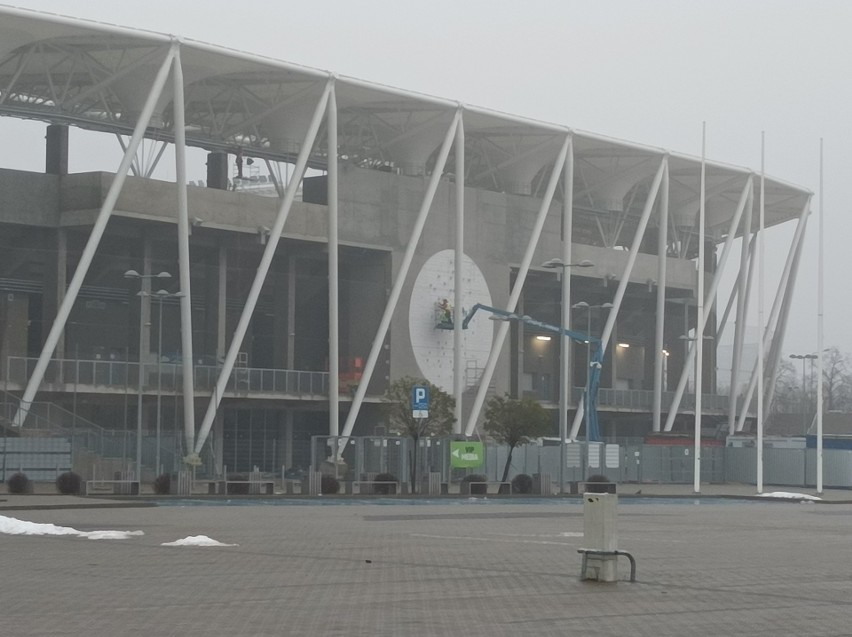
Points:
point(796, 385)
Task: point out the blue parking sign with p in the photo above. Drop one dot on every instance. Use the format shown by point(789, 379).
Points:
point(420, 401)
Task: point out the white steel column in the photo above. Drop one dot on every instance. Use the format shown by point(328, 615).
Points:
point(333, 274)
point(458, 300)
point(820, 319)
point(700, 321)
point(565, 383)
point(396, 291)
point(660, 324)
point(625, 279)
point(221, 303)
point(515, 295)
point(743, 288)
point(61, 282)
point(183, 255)
point(709, 301)
point(262, 269)
point(766, 330)
point(92, 244)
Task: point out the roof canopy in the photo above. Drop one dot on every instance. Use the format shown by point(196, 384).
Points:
point(98, 76)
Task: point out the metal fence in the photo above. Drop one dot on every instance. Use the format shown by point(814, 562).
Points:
point(41, 459)
point(625, 463)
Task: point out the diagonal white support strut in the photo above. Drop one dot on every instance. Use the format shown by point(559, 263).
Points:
point(625, 279)
point(262, 269)
point(384, 324)
point(515, 296)
point(709, 302)
point(94, 240)
point(775, 311)
point(774, 358)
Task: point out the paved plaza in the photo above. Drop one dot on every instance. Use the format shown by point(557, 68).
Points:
point(705, 567)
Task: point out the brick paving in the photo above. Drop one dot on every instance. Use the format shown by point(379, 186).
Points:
point(455, 568)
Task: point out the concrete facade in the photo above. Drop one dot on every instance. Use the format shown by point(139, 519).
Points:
point(377, 214)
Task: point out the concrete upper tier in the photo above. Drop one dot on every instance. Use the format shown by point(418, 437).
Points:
point(377, 211)
point(237, 102)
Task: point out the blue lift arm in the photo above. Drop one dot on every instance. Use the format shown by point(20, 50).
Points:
point(595, 362)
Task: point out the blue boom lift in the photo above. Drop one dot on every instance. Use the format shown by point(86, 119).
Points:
point(595, 360)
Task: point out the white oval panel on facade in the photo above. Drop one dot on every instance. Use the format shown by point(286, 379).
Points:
point(432, 335)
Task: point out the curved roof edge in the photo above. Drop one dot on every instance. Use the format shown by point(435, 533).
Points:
point(208, 65)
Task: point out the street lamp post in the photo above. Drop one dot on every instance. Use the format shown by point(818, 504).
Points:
point(563, 358)
point(583, 305)
point(161, 295)
point(804, 358)
point(143, 280)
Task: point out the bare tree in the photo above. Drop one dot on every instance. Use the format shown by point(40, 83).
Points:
point(788, 393)
point(837, 383)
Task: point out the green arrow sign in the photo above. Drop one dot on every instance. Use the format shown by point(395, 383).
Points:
point(466, 454)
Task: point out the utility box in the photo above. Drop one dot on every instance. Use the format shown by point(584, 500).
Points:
point(600, 533)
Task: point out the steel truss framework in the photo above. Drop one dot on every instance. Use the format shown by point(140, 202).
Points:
point(116, 80)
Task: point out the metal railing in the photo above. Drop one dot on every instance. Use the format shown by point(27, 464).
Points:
point(124, 375)
point(639, 399)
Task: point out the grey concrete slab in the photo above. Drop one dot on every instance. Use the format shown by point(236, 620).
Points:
point(463, 568)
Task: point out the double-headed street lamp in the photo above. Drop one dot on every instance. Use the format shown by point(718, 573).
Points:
point(563, 357)
point(160, 296)
point(804, 358)
point(144, 282)
point(583, 305)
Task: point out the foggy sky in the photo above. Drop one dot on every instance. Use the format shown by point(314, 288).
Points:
point(648, 72)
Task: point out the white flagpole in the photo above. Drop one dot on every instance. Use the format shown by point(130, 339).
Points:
point(820, 309)
point(699, 325)
point(761, 251)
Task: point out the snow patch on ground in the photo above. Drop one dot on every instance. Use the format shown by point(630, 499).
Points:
point(197, 540)
point(13, 526)
point(789, 495)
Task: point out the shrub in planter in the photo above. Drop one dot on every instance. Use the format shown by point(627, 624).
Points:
point(238, 489)
point(522, 483)
point(329, 485)
point(474, 489)
point(19, 483)
point(162, 484)
point(385, 489)
point(599, 483)
point(68, 483)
